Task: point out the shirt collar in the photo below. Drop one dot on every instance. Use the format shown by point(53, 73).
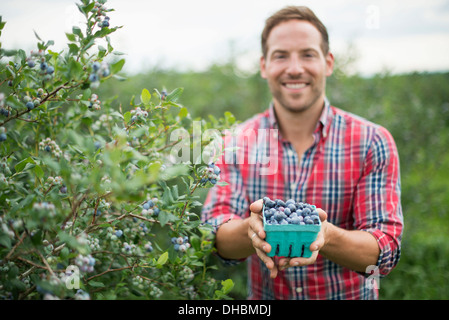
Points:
point(324, 119)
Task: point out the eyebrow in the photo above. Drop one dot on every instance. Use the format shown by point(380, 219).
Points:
point(286, 51)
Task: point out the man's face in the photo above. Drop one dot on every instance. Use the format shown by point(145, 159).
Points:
point(295, 66)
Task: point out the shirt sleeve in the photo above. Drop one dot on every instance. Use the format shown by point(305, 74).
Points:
point(224, 203)
point(377, 204)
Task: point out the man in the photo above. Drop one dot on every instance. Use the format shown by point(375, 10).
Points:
point(343, 164)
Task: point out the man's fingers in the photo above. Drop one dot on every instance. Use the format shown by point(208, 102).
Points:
point(256, 225)
point(269, 263)
point(322, 214)
point(256, 206)
point(298, 262)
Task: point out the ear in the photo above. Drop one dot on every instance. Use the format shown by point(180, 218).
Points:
point(263, 67)
point(329, 64)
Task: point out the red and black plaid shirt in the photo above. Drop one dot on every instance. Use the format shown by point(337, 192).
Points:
point(351, 172)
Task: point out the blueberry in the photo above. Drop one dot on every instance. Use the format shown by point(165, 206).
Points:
point(119, 233)
point(93, 77)
point(269, 213)
point(2, 137)
point(292, 207)
point(279, 216)
point(150, 204)
point(287, 211)
point(295, 220)
point(308, 220)
point(106, 72)
point(315, 219)
point(43, 66)
point(96, 66)
point(30, 105)
point(48, 148)
point(280, 203)
point(4, 112)
point(31, 63)
point(105, 23)
point(270, 204)
point(306, 212)
point(50, 69)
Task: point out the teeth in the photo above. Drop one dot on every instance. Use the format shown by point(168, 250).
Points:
point(295, 85)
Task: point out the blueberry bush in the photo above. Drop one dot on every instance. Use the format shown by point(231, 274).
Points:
point(94, 203)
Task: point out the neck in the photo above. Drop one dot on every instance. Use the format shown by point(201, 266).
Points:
point(298, 126)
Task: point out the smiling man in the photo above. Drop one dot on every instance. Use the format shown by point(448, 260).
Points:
point(345, 165)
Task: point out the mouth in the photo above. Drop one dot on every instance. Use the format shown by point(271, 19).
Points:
point(295, 85)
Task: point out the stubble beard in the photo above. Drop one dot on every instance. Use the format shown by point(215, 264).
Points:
point(289, 104)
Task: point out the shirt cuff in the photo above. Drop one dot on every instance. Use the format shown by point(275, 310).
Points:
point(386, 261)
point(217, 222)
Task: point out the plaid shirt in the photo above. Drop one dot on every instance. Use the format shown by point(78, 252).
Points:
point(351, 172)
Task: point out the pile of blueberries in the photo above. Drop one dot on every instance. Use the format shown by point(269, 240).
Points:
point(289, 212)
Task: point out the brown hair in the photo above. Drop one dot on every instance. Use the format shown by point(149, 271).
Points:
point(290, 13)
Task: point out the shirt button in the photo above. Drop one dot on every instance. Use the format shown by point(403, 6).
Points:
point(299, 290)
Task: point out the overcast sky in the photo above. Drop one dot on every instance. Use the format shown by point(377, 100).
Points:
point(395, 35)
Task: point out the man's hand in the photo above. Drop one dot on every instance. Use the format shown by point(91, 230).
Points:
point(258, 235)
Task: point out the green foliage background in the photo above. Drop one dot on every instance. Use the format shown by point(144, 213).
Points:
point(414, 107)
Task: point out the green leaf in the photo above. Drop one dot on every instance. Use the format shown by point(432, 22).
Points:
point(145, 96)
point(162, 259)
point(183, 113)
point(227, 285)
point(175, 94)
point(76, 30)
point(70, 36)
point(37, 36)
point(5, 240)
point(96, 284)
point(38, 171)
point(165, 217)
point(73, 48)
point(230, 118)
point(64, 253)
point(116, 67)
point(127, 116)
point(21, 165)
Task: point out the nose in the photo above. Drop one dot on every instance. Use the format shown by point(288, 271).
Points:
point(295, 66)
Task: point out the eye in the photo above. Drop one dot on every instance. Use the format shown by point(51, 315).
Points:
point(279, 56)
point(309, 54)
